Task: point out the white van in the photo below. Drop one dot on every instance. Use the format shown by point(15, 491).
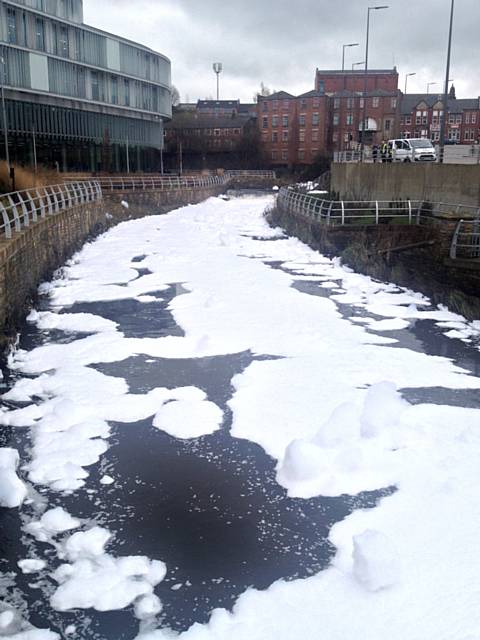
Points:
point(412, 150)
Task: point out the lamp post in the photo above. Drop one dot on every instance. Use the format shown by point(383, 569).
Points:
point(4, 113)
point(445, 93)
point(345, 46)
point(218, 68)
point(430, 84)
point(407, 76)
point(357, 64)
point(362, 146)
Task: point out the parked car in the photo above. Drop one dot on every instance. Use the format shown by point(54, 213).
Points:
point(412, 150)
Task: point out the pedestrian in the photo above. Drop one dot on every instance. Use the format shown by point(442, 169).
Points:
point(375, 150)
point(384, 151)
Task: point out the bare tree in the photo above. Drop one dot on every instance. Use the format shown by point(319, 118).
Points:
point(175, 96)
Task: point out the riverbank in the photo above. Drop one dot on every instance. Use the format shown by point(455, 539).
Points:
point(410, 256)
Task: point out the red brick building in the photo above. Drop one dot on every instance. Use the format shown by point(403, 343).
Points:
point(332, 81)
point(346, 124)
point(294, 129)
point(420, 117)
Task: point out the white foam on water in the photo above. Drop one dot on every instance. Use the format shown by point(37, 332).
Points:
point(329, 410)
point(12, 490)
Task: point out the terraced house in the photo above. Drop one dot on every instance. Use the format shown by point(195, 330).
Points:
point(77, 97)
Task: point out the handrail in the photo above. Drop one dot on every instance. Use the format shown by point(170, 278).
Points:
point(19, 209)
point(160, 183)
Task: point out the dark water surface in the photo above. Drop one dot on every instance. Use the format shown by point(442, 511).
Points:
point(210, 508)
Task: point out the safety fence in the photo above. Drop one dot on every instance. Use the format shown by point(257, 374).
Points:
point(160, 183)
point(21, 208)
point(466, 240)
point(251, 173)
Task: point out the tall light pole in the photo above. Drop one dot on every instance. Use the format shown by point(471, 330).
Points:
point(357, 64)
point(218, 68)
point(445, 93)
point(430, 84)
point(362, 146)
point(345, 46)
point(4, 113)
point(407, 76)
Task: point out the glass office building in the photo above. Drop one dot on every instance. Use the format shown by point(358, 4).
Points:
point(76, 97)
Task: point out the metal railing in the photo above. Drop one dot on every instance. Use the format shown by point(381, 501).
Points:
point(466, 240)
point(160, 183)
point(251, 173)
point(20, 209)
point(342, 212)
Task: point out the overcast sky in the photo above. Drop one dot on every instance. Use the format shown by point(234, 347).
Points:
point(282, 42)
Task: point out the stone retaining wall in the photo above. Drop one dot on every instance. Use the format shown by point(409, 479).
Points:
point(32, 255)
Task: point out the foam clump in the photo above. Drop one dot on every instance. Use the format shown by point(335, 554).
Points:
point(348, 453)
point(96, 580)
point(376, 564)
point(382, 409)
point(31, 566)
point(12, 490)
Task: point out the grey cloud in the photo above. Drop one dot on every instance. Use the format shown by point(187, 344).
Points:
point(281, 43)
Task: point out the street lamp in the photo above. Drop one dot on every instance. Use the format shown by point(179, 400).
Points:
point(354, 44)
point(378, 8)
point(445, 93)
point(430, 84)
point(218, 68)
point(407, 76)
point(4, 113)
point(357, 64)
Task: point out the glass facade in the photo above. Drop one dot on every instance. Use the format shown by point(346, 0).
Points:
point(50, 57)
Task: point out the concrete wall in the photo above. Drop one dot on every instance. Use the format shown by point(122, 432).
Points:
point(32, 255)
point(459, 184)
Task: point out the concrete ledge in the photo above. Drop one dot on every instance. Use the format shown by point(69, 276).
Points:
point(451, 183)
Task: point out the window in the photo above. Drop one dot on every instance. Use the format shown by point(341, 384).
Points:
point(315, 135)
point(451, 119)
point(303, 103)
point(474, 118)
point(126, 87)
point(12, 26)
point(274, 122)
point(336, 119)
point(436, 136)
point(285, 136)
point(315, 119)
point(95, 86)
point(114, 92)
point(316, 103)
point(265, 122)
point(301, 155)
point(349, 118)
point(375, 102)
point(335, 136)
point(285, 122)
point(394, 103)
point(467, 118)
point(408, 120)
point(39, 34)
point(264, 106)
point(336, 103)
point(321, 86)
point(454, 135)
point(458, 119)
point(301, 135)
point(286, 104)
point(362, 103)
point(63, 49)
point(284, 154)
point(274, 154)
point(346, 137)
point(216, 132)
point(350, 103)
point(301, 120)
point(388, 125)
point(274, 136)
point(275, 105)
point(264, 137)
